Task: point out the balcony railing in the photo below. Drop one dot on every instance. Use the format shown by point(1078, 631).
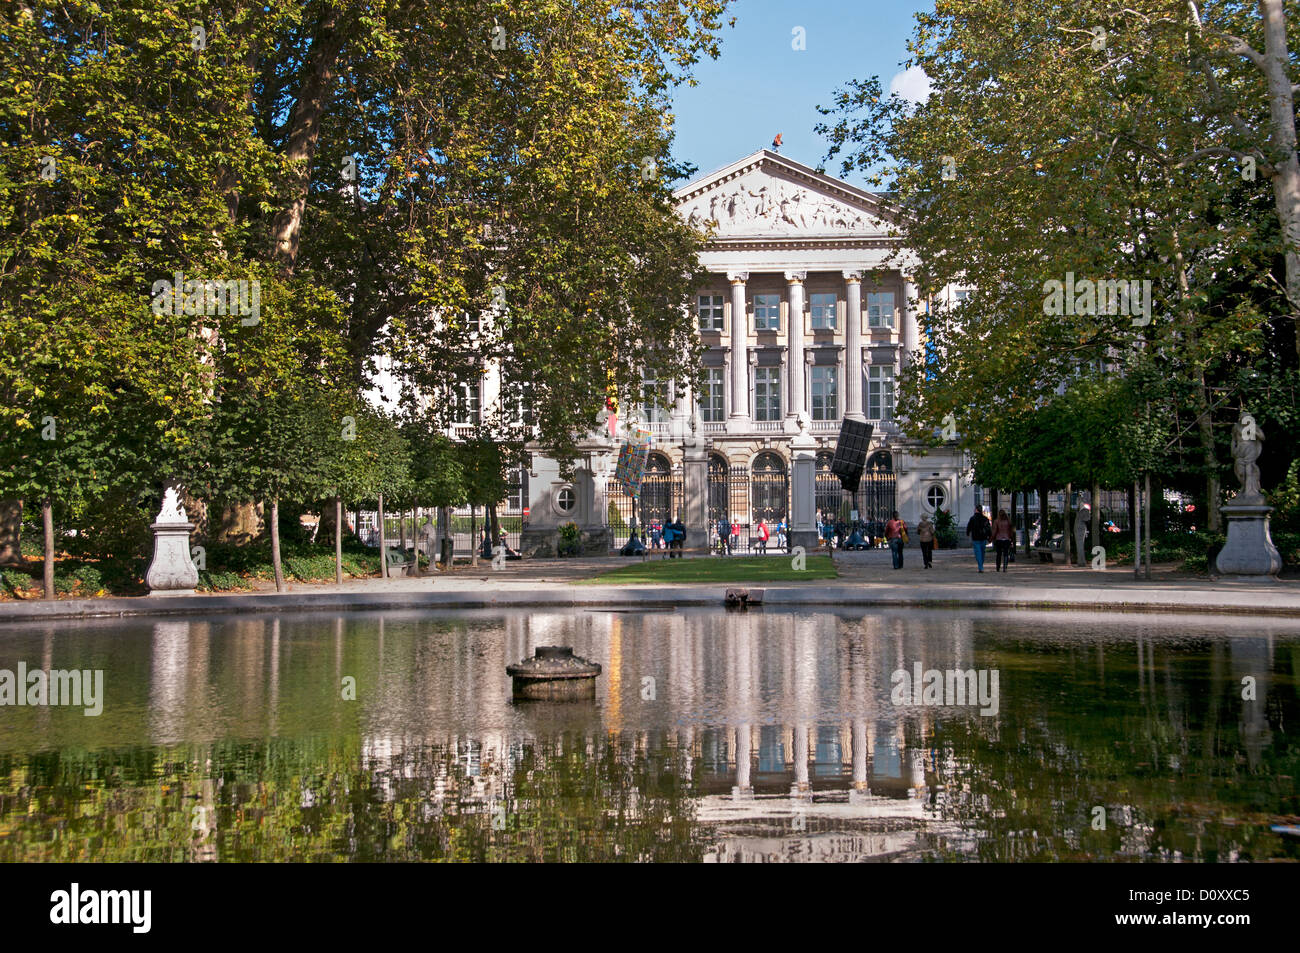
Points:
point(824, 426)
point(768, 426)
point(714, 426)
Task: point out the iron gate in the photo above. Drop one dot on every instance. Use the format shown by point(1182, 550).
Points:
point(661, 500)
point(744, 497)
point(877, 493)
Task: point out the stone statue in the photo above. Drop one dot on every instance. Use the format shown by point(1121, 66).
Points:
point(1081, 520)
point(172, 511)
point(1245, 454)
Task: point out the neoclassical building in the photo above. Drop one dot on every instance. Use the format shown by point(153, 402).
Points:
point(808, 316)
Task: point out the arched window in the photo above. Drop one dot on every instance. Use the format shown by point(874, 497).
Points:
point(830, 492)
point(657, 464)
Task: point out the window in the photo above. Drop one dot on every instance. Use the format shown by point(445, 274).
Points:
point(654, 400)
point(767, 312)
point(465, 403)
point(961, 297)
point(825, 393)
point(712, 409)
point(709, 309)
point(823, 311)
point(566, 500)
point(517, 490)
point(880, 309)
point(936, 497)
point(880, 392)
point(767, 393)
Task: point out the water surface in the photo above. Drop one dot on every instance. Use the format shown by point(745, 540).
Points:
point(715, 736)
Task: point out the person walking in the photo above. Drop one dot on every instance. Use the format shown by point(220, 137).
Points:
point(780, 535)
point(978, 529)
point(925, 536)
point(656, 534)
point(763, 534)
point(1003, 534)
point(724, 536)
point(896, 534)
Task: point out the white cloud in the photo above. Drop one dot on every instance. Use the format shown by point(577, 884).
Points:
point(912, 84)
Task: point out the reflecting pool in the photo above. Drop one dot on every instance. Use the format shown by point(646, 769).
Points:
point(714, 736)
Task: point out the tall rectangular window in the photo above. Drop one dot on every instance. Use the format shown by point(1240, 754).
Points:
point(825, 393)
point(712, 408)
point(767, 312)
point(880, 392)
point(823, 311)
point(767, 393)
point(880, 309)
point(709, 309)
point(654, 400)
point(465, 399)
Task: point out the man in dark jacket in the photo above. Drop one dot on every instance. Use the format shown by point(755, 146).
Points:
point(978, 529)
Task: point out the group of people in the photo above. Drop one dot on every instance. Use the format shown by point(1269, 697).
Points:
point(486, 551)
point(981, 530)
point(669, 536)
point(838, 534)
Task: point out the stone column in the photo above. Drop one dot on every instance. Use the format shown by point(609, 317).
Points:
point(803, 492)
point(909, 335)
point(853, 345)
point(738, 418)
point(795, 406)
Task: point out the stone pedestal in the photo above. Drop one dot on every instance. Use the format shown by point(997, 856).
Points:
point(172, 572)
point(1249, 552)
point(803, 493)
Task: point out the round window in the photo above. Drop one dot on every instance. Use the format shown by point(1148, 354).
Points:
point(936, 496)
point(565, 500)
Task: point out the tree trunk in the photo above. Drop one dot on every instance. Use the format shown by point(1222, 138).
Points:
point(1044, 530)
point(1135, 515)
point(1205, 430)
point(241, 524)
point(1286, 178)
point(47, 523)
point(1067, 528)
point(473, 537)
point(303, 135)
point(338, 540)
point(383, 543)
point(443, 524)
point(11, 532)
point(1146, 506)
point(275, 546)
point(401, 529)
point(1096, 514)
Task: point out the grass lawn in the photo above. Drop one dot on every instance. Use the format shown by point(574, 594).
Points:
point(716, 569)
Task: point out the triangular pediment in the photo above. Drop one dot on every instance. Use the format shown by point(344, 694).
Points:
point(766, 195)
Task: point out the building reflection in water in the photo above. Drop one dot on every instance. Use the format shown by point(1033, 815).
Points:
point(781, 725)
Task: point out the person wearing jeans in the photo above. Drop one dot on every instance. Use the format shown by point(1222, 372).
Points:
point(978, 529)
point(895, 530)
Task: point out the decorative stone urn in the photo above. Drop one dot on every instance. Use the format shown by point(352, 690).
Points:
point(554, 673)
point(1249, 553)
point(172, 572)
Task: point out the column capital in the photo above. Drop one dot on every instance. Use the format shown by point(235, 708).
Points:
point(853, 276)
point(796, 277)
point(737, 277)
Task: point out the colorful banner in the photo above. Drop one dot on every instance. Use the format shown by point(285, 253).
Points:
point(632, 459)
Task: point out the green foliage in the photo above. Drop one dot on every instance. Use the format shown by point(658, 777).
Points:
point(570, 540)
point(945, 530)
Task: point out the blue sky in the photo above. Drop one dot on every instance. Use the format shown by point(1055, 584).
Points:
point(760, 85)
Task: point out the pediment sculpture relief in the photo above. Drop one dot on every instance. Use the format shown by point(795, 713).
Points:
point(775, 207)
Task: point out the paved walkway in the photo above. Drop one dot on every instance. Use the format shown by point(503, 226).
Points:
point(866, 579)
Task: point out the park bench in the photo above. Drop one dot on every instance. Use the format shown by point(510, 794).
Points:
point(1047, 554)
point(399, 561)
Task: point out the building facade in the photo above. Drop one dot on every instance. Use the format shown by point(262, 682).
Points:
point(808, 316)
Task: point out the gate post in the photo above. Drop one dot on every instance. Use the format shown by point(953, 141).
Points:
point(803, 492)
point(695, 489)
